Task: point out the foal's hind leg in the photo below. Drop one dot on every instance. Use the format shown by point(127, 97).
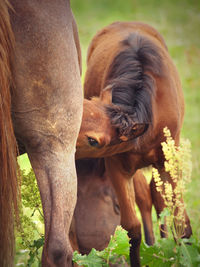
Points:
point(124, 187)
point(144, 202)
point(159, 206)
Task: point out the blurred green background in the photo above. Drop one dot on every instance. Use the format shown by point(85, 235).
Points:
point(179, 23)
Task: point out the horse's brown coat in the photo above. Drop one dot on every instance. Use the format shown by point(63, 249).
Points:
point(8, 149)
point(97, 210)
point(46, 112)
point(129, 61)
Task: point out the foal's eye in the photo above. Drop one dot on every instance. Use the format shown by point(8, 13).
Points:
point(93, 142)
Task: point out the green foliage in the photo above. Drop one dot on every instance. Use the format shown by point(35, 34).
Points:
point(94, 259)
point(30, 238)
point(117, 251)
point(34, 254)
point(30, 193)
point(166, 253)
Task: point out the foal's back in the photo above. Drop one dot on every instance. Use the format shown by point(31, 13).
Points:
point(104, 47)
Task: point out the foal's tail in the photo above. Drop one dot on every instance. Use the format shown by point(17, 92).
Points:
point(8, 165)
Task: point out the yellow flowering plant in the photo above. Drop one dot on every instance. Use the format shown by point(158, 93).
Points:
point(173, 251)
point(179, 166)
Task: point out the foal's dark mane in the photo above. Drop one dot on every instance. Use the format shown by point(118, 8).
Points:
point(132, 86)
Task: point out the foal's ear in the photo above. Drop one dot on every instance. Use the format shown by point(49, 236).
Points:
point(139, 129)
point(106, 95)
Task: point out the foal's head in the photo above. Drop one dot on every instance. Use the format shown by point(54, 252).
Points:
point(98, 133)
point(96, 130)
point(124, 109)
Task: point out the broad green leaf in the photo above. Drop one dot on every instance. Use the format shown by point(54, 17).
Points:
point(189, 255)
point(90, 260)
point(122, 242)
point(156, 256)
point(168, 246)
point(116, 252)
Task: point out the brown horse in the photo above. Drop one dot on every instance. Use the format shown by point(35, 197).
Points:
point(133, 91)
point(39, 63)
point(97, 210)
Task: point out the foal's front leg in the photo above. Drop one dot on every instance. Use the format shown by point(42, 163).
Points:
point(124, 187)
point(144, 202)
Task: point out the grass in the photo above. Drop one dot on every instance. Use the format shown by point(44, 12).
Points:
point(24, 163)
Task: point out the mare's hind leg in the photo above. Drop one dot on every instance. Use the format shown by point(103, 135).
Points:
point(144, 202)
point(159, 204)
point(124, 187)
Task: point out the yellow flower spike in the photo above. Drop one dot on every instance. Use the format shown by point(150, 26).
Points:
point(179, 166)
